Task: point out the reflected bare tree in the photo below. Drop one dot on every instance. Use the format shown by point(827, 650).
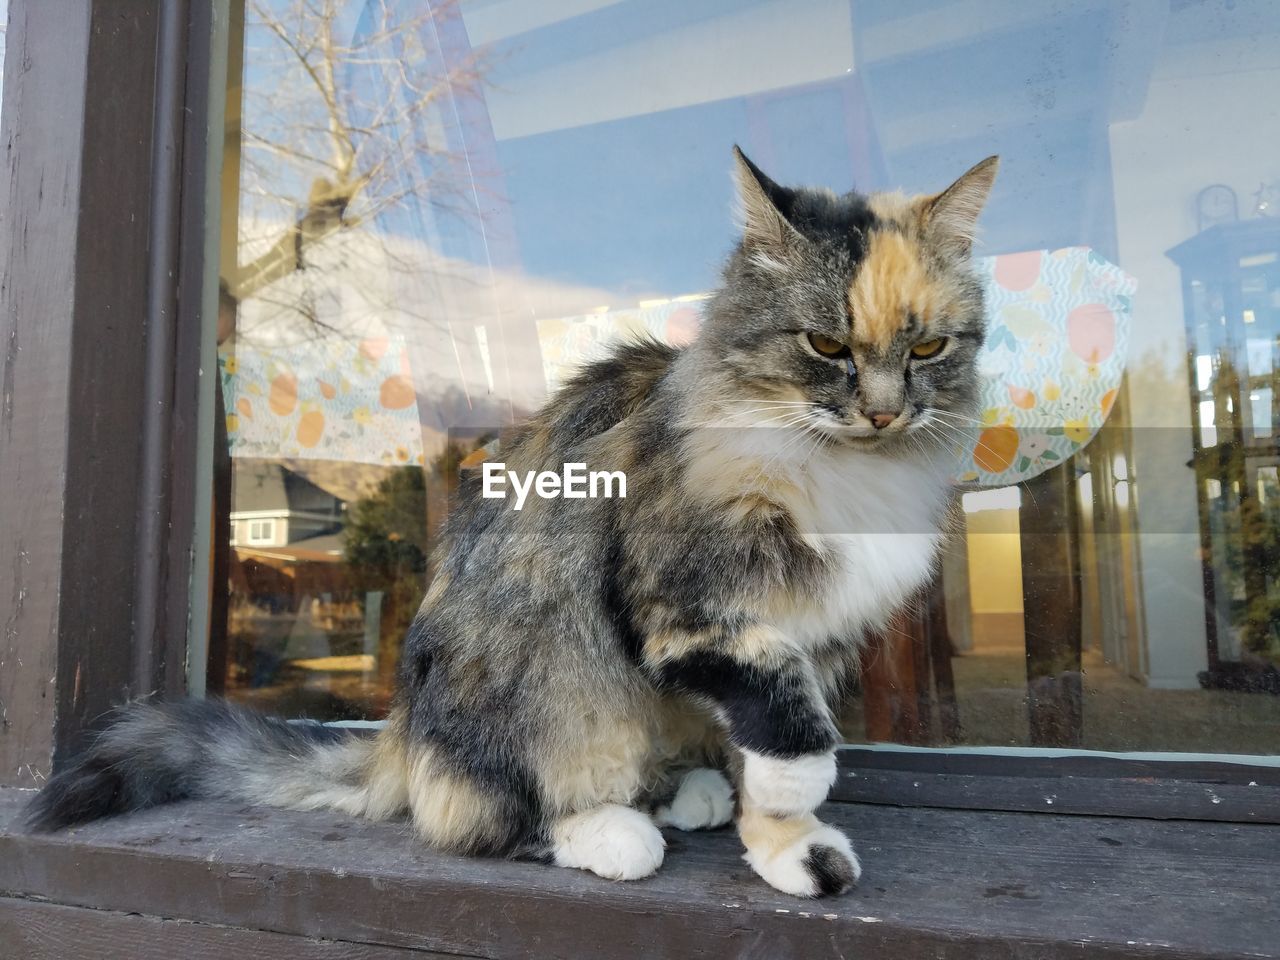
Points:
point(344, 124)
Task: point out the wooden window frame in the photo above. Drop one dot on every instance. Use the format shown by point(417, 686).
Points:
point(110, 114)
point(104, 290)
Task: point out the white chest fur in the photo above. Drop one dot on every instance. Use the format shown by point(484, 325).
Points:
point(876, 520)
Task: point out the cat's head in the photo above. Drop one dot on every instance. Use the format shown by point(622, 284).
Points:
point(861, 311)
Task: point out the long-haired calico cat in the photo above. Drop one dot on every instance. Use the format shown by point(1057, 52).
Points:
point(585, 671)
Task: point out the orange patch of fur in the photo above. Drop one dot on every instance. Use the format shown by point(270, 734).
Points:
point(891, 284)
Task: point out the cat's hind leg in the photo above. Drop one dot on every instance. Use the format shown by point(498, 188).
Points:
point(612, 841)
point(702, 801)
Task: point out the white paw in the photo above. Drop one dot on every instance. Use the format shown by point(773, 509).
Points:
point(821, 863)
point(787, 787)
point(613, 841)
point(703, 801)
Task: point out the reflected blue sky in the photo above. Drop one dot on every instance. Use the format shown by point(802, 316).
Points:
point(639, 203)
point(601, 141)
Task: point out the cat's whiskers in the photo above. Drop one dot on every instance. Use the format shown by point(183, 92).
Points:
point(936, 435)
point(798, 403)
point(939, 473)
point(759, 473)
point(735, 423)
point(779, 408)
point(819, 438)
point(952, 443)
point(756, 470)
point(959, 434)
point(957, 416)
point(964, 439)
point(816, 435)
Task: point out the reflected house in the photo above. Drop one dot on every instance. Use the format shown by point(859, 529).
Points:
point(291, 593)
point(286, 540)
point(276, 507)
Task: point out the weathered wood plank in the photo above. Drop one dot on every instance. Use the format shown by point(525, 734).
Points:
point(1153, 799)
point(45, 64)
point(34, 930)
point(1083, 764)
point(938, 883)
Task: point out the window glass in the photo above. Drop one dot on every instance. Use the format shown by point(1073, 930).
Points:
point(433, 212)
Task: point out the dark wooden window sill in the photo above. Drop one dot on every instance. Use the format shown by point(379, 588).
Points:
point(215, 880)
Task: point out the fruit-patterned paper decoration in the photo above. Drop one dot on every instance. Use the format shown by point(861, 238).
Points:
point(1052, 364)
point(329, 397)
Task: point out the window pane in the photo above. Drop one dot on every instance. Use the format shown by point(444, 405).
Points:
point(432, 215)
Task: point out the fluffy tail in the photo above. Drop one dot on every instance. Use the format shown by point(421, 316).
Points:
point(158, 753)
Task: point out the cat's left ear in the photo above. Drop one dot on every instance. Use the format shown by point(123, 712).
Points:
point(951, 216)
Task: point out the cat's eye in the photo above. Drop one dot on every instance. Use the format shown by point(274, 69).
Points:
point(828, 347)
point(929, 348)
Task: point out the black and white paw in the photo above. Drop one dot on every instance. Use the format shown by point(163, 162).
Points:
point(612, 841)
point(703, 801)
point(820, 863)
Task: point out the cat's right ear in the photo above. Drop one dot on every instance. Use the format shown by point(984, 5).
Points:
point(763, 224)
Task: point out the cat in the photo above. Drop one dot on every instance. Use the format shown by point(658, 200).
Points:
point(583, 672)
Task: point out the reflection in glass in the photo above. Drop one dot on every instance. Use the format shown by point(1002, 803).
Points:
point(432, 213)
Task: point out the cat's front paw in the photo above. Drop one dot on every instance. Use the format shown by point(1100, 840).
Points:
point(818, 863)
point(787, 787)
point(703, 801)
point(612, 841)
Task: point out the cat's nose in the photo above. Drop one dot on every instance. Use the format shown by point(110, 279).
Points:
point(882, 418)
